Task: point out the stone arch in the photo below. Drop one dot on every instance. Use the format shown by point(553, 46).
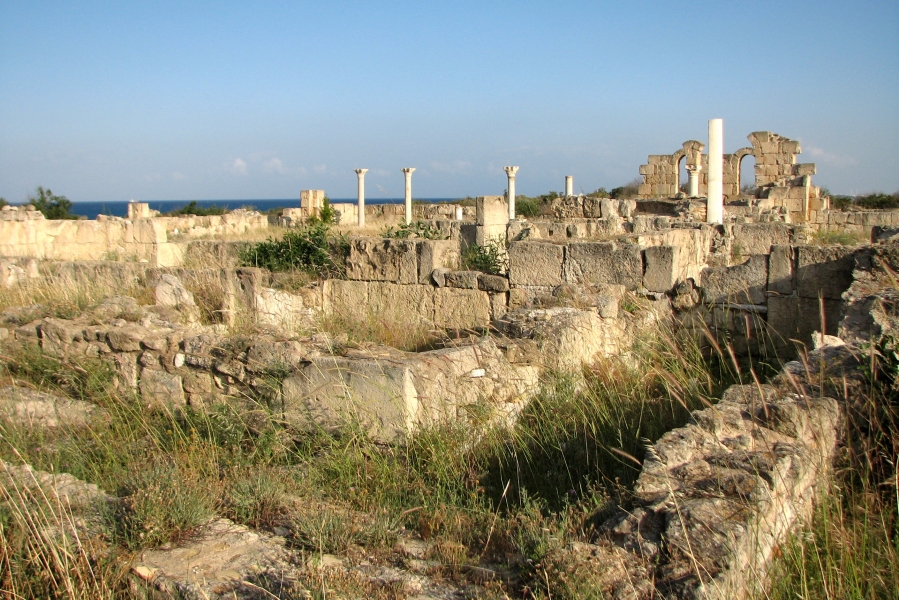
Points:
point(676, 158)
point(739, 155)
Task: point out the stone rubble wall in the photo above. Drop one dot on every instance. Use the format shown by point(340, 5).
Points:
point(717, 497)
point(112, 238)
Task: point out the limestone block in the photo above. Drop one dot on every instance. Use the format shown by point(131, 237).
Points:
point(492, 283)
point(375, 259)
point(535, 263)
point(436, 254)
point(340, 295)
point(126, 338)
point(58, 335)
point(609, 207)
point(805, 169)
point(661, 268)
point(566, 338)
point(462, 279)
point(780, 269)
point(333, 392)
point(411, 303)
point(604, 263)
point(461, 309)
point(740, 284)
point(824, 271)
point(283, 310)
point(757, 238)
point(491, 210)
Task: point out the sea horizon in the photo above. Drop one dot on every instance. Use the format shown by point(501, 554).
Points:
point(119, 208)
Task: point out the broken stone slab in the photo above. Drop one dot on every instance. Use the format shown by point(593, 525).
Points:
point(566, 337)
point(25, 406)
point(741, 284)
point(724, 491)
point(221, 560)
point(68, 507)
point(390, 397)
point(170, 291)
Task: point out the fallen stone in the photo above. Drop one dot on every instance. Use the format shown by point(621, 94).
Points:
point(222, 560)
point(25, 406)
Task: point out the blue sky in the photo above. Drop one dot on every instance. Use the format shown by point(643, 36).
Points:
point(241, 100)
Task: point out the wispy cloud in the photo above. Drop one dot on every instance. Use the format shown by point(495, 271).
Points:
point(178, 176)
point(830, 158)
point(274, 165)
point(320, 168)
point(457, 167)
point(238, 167)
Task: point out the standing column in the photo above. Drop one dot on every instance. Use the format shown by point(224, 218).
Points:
point(569, 185)
point(361, 202)
point(408, 173)
point(693, 170)
point(715, 202)
point(510, 172)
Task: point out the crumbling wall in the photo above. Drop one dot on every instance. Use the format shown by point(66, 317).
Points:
point(780, 182)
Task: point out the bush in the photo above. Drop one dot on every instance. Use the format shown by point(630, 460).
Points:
point(491, 258)
point(53, 207)
point(313, 249)
point(199, 211)
point(530, 207)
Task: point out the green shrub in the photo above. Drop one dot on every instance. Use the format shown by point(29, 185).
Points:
point(491, 258)
point(878, 201)
point(162, 503)
point(199, 211)
point(53, 207)
point(312, 248)
point(255, 496)
point(529, 207)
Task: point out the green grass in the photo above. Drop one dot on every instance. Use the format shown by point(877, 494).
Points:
point(478, 493)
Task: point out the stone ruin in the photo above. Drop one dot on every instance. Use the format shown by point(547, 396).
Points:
point(780, 183)
point(581, 282)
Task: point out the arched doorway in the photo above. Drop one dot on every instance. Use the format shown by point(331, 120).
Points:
point(683, 178)
point(746, 169)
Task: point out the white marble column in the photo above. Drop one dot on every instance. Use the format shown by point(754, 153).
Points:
point(361, 195)
point(715, 202)
point(510, 172)
point(569, 185)
point(693, 188)
point(408, 173)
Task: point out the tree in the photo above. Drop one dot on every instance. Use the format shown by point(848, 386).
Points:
point(53, 207)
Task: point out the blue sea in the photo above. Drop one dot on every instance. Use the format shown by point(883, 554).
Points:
point(120, 209)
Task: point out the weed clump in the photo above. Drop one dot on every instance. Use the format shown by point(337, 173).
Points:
point(492, 257)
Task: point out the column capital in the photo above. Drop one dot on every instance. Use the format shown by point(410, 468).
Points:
point(361, 172)
point(408, 170)
point(510, 171)
point(693, 168)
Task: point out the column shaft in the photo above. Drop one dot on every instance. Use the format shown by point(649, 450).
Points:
point(715, 202)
